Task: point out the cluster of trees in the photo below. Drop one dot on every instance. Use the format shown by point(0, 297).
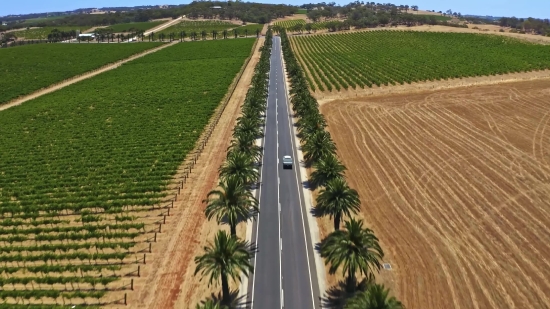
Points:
point(529, 25)
point(366, 15)
point(354, 250)
point(247, 12)
point(228, 256)
point(244, 11)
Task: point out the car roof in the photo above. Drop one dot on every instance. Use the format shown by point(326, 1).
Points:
point(287, 157)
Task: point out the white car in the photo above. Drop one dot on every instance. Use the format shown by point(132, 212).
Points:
point(287, 162)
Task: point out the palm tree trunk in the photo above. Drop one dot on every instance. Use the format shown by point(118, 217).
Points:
point(234, 230)
point(225, 290)
point(351, 280)
point(337, 221)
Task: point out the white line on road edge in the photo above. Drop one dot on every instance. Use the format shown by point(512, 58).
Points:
point(259, 197)
point(282, 298)
point(292, 140)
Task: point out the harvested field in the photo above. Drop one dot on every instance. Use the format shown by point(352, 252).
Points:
point(456, 184)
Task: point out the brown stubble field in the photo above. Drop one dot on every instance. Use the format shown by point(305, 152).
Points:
point(456, 184)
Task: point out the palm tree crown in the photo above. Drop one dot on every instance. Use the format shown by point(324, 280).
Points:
point(326, 169)
point(356, 249)
point(240, 166)
point(338, 199)
point(317, 146)
point(375, 297)
point(227, 257)
point(233, 202)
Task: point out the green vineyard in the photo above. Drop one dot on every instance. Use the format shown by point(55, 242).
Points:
point(32, 67)
point(84, 172)
point(135, 27)
point(375, 58)
point(198, 27)
point(289, 24)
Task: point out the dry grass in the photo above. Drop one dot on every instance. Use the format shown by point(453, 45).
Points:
point(456, 184)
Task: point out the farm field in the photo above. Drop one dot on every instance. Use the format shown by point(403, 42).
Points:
point(288, 24)
point(81, 207)
point(351, 60)
point(455, 184)
point(42, 33)
point(197, 26)
point(134, 27)
point(32, 67)
point(251, 28)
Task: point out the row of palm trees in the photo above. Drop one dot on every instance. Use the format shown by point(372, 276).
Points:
point(354, 250)
point(232, 202)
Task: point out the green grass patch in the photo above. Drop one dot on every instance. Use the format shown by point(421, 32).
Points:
point(31, 67)
point(302, 11)
point(134, 27)
point(42, 33)
point(364, 59)
point(250, 29)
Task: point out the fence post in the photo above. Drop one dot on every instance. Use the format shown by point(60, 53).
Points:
point(132, 284)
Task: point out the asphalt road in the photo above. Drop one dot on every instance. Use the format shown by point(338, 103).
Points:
point(285, 274)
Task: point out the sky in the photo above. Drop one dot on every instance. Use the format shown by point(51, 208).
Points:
point(529, 8)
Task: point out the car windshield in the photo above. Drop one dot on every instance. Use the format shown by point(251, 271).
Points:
point(287, 159)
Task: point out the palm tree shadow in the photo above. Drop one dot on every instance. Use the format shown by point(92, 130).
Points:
point(236, 301)
point(317, 212)
point(337, 296)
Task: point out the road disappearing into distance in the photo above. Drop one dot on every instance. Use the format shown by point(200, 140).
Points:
point(285, 274)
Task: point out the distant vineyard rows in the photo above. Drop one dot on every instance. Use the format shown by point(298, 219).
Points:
point(364, 59)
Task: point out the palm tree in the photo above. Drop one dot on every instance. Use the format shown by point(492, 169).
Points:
point(317, 146)
point(245, 142)
point(231, 202)
point(338, 199)
point(326, 169)
point(375, 297)
point(227, 257)
point(356, 249)
point(209, 304)
point(241, 166)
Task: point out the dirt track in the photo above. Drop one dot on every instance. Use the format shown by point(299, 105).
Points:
point(456, 184)
point(170, 282)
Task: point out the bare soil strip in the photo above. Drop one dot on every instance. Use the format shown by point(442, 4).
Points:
point(326, 96)
point(169, 282)
point(456, 184)
point(79, 78)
